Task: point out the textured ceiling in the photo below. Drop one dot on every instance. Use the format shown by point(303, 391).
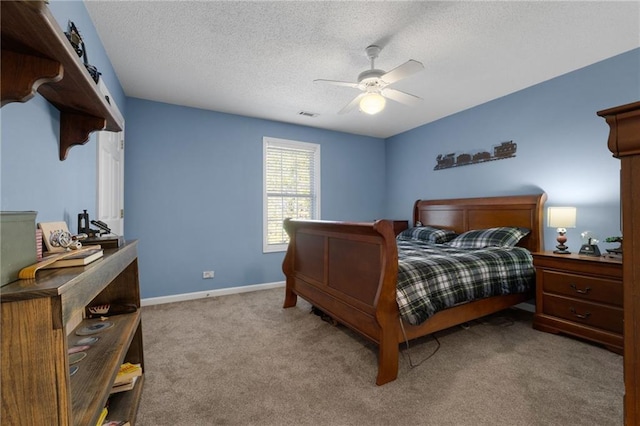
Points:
point(259, 59)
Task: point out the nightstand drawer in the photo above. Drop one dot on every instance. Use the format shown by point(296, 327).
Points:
point(582, 287)
point(591, 314)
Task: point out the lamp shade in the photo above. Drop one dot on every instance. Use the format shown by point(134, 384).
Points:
point(561, 217)
point(372, 103)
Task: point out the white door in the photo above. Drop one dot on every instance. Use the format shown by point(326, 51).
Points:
point(110, 195)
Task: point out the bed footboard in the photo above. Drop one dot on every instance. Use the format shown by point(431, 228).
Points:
point(348, 270)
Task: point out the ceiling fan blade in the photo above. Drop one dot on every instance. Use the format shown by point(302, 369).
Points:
point(352, 105)
point(405, 70)
point(402, 97)
point(337, 83)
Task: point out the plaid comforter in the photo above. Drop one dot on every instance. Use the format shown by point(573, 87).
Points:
point(433, 277)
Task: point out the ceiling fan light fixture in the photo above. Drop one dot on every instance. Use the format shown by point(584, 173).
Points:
point(372, 103)
point(374, 83)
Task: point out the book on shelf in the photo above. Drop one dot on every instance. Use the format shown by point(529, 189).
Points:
point(106, 241)
point(127, 373)
point(126, 386)
point(103, 416)
point(80, 259)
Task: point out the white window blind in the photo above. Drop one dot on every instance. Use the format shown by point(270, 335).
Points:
point(291, 187)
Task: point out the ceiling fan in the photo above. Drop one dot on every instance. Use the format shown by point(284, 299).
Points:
point(375, 83)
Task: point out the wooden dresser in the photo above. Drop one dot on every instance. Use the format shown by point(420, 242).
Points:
point(624, 143)
point(580, 296)
point(40, 318)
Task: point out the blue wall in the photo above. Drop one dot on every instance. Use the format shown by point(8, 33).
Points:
point(194, 193)
point(31, 175)
point(562, 149)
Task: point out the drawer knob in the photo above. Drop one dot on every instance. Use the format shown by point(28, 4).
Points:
point(581, 316)
point(581, 291)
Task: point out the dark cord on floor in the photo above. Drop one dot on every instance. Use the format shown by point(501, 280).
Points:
point(408, 355)
point(495, 321)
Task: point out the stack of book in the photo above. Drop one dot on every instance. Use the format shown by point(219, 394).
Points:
point(107, 242)
point(81, 258)
point(126, 378)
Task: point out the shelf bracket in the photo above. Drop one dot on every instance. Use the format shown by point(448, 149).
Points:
point(22, 74)
point(75, 129)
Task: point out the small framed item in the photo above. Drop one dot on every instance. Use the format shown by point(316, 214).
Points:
point(51, 233)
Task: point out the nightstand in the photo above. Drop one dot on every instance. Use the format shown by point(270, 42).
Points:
point(400, 225)
point(580, 296)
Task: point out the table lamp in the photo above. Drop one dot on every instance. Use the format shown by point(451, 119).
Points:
point(561, 218)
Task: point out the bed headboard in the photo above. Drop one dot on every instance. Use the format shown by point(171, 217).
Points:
point(464, 214)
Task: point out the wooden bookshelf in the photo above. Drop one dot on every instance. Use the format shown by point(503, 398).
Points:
point(40, 318)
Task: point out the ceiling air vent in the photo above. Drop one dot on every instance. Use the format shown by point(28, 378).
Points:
point(307, 114)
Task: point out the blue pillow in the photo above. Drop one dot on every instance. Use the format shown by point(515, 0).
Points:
point(427, 233)
point(503, 236)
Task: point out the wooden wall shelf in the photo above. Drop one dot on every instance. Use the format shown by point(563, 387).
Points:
point(36, 56)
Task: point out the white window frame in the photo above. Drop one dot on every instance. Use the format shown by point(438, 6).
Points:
point(284, 143)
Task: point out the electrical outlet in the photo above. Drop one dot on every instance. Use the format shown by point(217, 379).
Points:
point(207, 275)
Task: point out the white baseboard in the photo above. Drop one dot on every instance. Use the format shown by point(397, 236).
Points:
point(526, 306)
point(208, 293)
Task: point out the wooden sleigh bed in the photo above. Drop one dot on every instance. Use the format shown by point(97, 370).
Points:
point(350, 270)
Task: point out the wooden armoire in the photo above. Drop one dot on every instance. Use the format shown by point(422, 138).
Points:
point(624, 143)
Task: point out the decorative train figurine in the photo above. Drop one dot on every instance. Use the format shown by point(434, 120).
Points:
point(74, 37)
point(500, 152)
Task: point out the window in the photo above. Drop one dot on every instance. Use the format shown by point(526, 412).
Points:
point(291, 188)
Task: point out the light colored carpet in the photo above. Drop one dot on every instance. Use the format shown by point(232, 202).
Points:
point(243, 360)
